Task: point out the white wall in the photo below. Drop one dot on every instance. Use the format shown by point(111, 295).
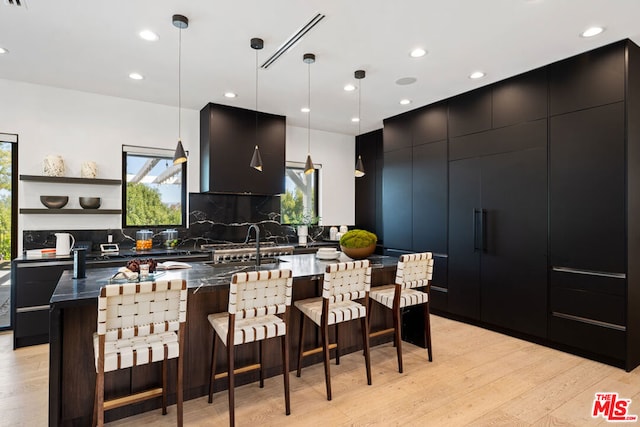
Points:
point(82, 126)
point(336, 153)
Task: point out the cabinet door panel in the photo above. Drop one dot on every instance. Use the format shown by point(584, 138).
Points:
point(514, 264)
point(470, 112)
point(430, 124)
point(430, 197)
point(587, 189)
point(520, 99)
point(397, 132)
point(464, 259)
point(587, 80)
point(396, 193)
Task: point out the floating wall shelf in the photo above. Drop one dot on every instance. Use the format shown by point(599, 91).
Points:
point(70, 180)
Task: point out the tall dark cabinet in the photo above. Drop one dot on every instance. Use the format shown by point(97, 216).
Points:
point(498, 206)
point(228, 136)
point(541, 212)
point(414, 189)
point(593, 172)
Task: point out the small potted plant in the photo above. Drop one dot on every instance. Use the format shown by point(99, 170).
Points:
point(358, 244)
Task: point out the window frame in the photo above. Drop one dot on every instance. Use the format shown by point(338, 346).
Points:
point(163, 153)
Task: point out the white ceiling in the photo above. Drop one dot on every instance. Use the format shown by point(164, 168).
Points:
point(93, 45)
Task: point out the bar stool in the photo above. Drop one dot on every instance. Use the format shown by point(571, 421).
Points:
point(255, 300)
point(139, 323)
point(414, 271)
point(343, 283)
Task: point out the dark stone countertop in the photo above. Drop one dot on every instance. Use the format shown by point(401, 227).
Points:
point(202, 276)
point(122, 254)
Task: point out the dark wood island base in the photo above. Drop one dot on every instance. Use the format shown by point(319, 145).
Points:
point(73, 318)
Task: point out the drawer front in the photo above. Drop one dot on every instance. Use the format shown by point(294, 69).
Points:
point(591, 281)
point(35, 284)
point(589, 305)
point(589, 337)
point(31, 323)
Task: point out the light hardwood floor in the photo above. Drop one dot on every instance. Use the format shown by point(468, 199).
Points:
point(477, 378)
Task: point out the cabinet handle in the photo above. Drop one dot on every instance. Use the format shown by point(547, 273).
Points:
point(589, 272)
point(475, 229)
point(483, 229)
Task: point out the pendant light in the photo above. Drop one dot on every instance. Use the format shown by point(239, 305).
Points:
point(256, 160)
point(309, 58)
point(359, 75)
point(181, 22)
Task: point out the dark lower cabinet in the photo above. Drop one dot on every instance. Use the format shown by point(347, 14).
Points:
point(497, 240)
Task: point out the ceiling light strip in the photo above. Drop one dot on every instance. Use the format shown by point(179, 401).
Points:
point(291, 41)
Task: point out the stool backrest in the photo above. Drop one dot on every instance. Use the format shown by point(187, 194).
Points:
point(257, 293)
point(414, 270)
point(346, 281)
point(140, 309)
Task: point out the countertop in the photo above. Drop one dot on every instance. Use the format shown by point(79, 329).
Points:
point(122, 254)
point(202, 276)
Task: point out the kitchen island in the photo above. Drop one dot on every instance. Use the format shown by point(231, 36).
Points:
point(73, 317)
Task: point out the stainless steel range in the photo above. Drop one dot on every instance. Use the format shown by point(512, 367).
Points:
point(236, 253)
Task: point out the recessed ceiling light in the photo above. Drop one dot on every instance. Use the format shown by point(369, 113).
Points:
point(230, 95)
point(403, 81)
point(148, 35)
point(476, 75)
point(355, 119)
point(593, 31)
point(405, 101)
point(3, 50)
point(136, 76)
point(418, 53)
point(305, 109)
point(349, 87)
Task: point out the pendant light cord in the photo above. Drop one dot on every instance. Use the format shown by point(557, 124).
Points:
point(256, 97)
point(309, 107)
point(359, 104)
point(180, 85)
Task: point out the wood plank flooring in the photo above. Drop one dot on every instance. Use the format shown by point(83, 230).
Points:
point(477, 378)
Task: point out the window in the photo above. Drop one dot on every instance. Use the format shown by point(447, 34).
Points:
point(155, 189)
point(299, 204)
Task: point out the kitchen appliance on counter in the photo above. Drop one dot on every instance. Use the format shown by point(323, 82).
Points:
point(245, 252)
point(64, 243)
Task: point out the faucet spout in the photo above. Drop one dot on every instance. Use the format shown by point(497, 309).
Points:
point(257, 231)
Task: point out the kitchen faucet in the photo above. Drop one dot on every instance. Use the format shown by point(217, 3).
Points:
point(257, 230)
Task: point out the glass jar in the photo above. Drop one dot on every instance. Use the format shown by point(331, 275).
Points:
point(144, 240)
point(170, 238)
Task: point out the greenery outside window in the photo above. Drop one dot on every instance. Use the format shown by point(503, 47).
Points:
point(299, 203)
point(155, 190)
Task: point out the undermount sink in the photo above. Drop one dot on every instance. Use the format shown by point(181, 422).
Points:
point(248, 263)
point(238, 267)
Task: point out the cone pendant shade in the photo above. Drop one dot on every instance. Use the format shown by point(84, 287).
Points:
point(256, 160)
point(308, 165)
point(179, 156)
point(359, 172)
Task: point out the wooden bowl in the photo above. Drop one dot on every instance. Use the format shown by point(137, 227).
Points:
point(358, 253)
point(54, 202)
